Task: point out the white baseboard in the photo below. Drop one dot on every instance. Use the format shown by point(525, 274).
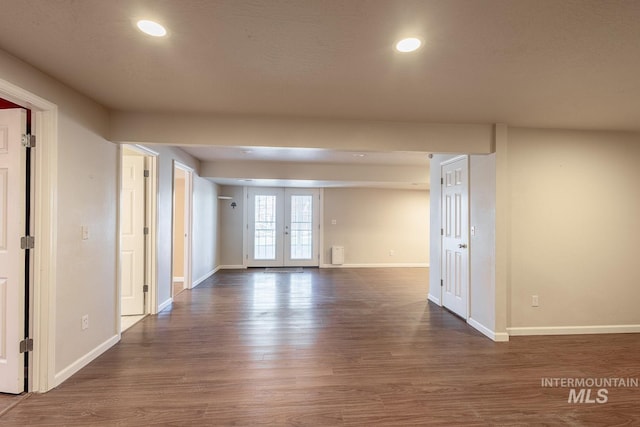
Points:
point(232, 267)
point(165, 304)
point(83, 361)
point(574, 330)
point(178, 279)
point(495, 336)
point(434, 300)
point(380, 265)
point(205, 277)
point(501, 337)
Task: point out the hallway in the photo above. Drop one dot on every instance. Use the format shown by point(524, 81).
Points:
point(330, 347)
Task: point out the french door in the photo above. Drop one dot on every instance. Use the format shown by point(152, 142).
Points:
point(283, 226)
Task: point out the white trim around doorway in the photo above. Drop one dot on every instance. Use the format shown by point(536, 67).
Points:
point(43, 314)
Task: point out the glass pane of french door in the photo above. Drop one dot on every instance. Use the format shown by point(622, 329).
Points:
point(301, 238)
point(265, 227)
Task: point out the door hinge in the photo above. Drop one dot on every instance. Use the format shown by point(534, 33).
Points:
point(146, 173)
point(145, 288)
point(26, 345)
point(146, 230)
point(29, 141)
point(441, 181)
point(27, 242)
point(442, 231)
point(441, 282)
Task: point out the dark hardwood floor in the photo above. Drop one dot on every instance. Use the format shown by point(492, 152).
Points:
point(332, 347)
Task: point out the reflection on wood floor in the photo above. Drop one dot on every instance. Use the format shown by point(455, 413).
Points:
point(332, 347)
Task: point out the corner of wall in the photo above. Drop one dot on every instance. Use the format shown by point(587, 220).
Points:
point(503, 221)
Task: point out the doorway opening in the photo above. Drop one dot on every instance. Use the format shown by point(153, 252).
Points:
point(181, 248)
point(283, 226)
point(137, 234)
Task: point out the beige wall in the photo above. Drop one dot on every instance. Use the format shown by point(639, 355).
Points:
point(574, 227)
point(86, 278)
point(206, 250)
point(372, 222)
point(354, 135)
point(482, 259)
point(231, 226)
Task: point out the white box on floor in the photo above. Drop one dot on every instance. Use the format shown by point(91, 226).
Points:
point(337, 255)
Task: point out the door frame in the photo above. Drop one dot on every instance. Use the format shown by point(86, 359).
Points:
point(151, 219)
point(41, 370)
point(188, 221)
point(18, 261)
point(442, 255)
point(245, 222)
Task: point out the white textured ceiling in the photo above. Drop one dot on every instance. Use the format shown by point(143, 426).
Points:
point(542, 63)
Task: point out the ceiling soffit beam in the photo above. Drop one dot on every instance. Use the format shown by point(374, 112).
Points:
point(248, 131)
point(314, 171)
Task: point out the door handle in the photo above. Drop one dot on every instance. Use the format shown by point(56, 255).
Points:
point(462, 245)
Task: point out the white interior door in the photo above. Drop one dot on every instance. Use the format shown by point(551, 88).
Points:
point(12, 228)
point(455, 236)
point(283, 227)
point(132, 238)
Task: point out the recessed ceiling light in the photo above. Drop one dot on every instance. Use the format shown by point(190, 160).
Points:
point(408, 45)
point(151, 28)
point(359, 155)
